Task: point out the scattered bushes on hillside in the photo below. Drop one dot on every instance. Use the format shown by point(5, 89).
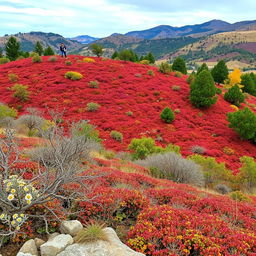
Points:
point(118, 136)
point(203, 90)
point(20, 92)
point(239, 196)
point(179, 65)
point(202, 68)
point(146, 146)
point(150, 73)
point(72, 75)
point(13, 77)
point(234, 95)
point(92, 106)
point(176, 88)
point(165, 68)
point(97, 49)
point(220, 72)
point(178, 74)
point(88, 60)
point(4, 60)
point(244, 123)
point(68, 63)
point(36, 58)
point(172, 166)
point(93, 84)
point(167, 115)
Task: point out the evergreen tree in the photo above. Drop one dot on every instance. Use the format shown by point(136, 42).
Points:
point(167, 115)
point(150, 57)
point(1, 53)
point(253, 76)
point(12, 48)
point(39, 48)
point(244, 123)
point(179, 65)
point(248, 83)
point(48, 51)
point(128, 55)
point(202, 67)
point(234, 95)
point(220, 72)
point(203, 90)
point(115, 55)
point(97, 49)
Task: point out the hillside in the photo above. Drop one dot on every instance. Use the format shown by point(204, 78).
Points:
point(238, 45)
point(126, 87)
point(148, 214)
point(84, 39)
point(28, 41)
point(198, 30)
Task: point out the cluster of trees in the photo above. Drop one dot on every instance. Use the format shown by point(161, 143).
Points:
point(13, 50)
point(130, 55)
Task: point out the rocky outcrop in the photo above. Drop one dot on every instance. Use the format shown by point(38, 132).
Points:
point(63, 244)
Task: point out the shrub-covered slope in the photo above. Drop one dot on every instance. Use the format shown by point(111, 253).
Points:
point(130, 102)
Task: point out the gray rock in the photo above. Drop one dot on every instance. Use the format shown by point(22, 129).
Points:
point(51, 236)
point(22, 254)
point(55, 245)
point(29, 247)
point(71, 227)
point(113, 247)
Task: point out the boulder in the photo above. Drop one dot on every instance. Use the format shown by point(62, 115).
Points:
point(51, 236)
point(22, 254)
point(29, 247)
point(113, 247)
point(39, 242)
point(55, 245)
point(71, 227)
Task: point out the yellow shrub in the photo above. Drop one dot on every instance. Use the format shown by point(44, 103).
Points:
point(89, 60)
point(234, 78)
point(144, 62)
point(72, 75)
point(234, 107)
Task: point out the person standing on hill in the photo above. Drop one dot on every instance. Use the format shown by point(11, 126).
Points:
point(63, 50)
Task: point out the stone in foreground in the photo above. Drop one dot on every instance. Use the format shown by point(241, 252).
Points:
point(71, 227)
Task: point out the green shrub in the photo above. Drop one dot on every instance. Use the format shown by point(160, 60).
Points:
point(92, 106)
point(129, 113)
point(248, 173)
point(202, 68)
point(248, 83)
point(83, 128)
point(93, 84)
point(176, 88)
point(52, 59)
point(68, 63)
point(167, 115)
point(13, 77)
point(165, 68)
point(220, 72)
point(6, 111)
point(4, 60)
point(203, 90)
point(36, 58)
point(150, 73)
point(21, 92)
point(214, 172)
point(244, 123)
point(118, 136)
point(234, 95)
point(239, 196)
point(178, 74)
point(146, 146)
point(191, 78)
point(72, 75)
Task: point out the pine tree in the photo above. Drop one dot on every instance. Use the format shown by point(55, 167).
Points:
point(97, 49)
point(12, 48)
point(203, 90)
point(48, 51)
point(150, 58)
point(234, 95)
point(202, 67)
point(39, 48)
point(220, 72)
point(179, 65)
point(115, 55)
point(248, 83)
point(1, 53)
point(167, 115)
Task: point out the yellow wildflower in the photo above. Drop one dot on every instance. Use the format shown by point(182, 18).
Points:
point(10, 197)
point(28, 197)
point(15, 216)
point(26, 189)
point(2, 216)
point(28, 201)
point(19, 220)
point(13, 191)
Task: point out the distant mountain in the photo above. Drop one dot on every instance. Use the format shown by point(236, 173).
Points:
point(28, 41)
point(198, 30)
point(84, 39)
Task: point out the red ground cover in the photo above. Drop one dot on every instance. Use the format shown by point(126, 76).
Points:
point(123, 87)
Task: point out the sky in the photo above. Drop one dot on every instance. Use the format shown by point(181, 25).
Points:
point(100, 18)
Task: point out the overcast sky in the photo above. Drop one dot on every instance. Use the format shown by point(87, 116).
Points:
point(101, 18)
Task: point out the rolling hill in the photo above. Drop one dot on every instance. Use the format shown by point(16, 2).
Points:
point(126, 87)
